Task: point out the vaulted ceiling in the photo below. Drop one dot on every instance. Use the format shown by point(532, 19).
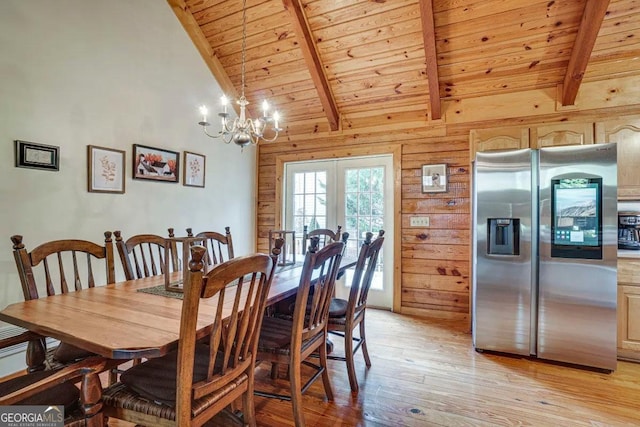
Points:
point(334, 64)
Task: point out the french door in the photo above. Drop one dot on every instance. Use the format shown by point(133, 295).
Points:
point(356, 193)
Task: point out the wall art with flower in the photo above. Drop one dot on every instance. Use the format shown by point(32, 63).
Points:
point(105, 170)
point(193, 168)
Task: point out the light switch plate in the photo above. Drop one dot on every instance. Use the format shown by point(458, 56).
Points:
point(419, 221)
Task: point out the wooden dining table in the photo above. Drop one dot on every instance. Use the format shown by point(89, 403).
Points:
point(122, 321)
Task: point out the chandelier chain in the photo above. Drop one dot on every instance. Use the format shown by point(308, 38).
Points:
point(244, 42)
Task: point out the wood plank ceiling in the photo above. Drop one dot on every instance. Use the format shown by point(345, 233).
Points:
point(329, 65)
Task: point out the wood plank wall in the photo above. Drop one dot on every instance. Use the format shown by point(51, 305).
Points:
point(433, 273)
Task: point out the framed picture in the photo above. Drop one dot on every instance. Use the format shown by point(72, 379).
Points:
point(105, 170)
point(155, 164)
point(193, 168)
point(434, 178)
point(37, 156)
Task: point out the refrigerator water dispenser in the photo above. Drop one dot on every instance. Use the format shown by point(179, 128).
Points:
point(504, 236)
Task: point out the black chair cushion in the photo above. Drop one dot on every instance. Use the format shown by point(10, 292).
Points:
point(338, 307)
point(65, 394)
point(155, 379)
point(67, 353)
point(275, 335)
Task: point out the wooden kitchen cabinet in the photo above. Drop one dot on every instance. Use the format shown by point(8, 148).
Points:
point(626, 133)
point(553, 135)
point(497, 139)
point(629, 309)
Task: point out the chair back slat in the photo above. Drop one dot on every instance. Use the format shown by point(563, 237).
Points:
point(364, 271)
point(63, 276)
point(90, 279)
point(36, 267)
point(142, 255)
point(77, 283)
point(233, 336)
point(319, 272)
point(47, 274)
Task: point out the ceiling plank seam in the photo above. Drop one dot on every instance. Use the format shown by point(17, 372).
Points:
point(314, 64)
point(592, 17)
point(429, 36)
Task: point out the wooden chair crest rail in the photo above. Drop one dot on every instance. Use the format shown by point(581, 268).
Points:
point(142, 255)
point(345, 316)
point(292, 341)
point(201, 379)
point(60, 267)
point(325, 236)
point(219, 246)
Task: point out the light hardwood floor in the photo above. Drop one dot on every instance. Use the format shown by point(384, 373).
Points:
point(426, 373)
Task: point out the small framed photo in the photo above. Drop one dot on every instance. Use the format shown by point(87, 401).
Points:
point(193, 169)
point(37, 156)
point(155, 164)
point(434, 178)
point(105, 170)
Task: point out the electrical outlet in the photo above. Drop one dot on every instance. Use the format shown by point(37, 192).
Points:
point(419, 221)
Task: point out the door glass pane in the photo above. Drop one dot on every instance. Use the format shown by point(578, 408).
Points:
point(364, 210)
point(351, 180)
point(309, 202)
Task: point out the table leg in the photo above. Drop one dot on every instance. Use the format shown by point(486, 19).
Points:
point(36, 355)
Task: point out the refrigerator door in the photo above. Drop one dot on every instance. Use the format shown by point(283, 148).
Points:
point(578, 255)
point(502, 258)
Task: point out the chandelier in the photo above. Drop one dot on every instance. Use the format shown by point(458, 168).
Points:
point(242, 130)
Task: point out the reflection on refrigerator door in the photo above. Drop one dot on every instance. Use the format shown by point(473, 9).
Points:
point(545, 253)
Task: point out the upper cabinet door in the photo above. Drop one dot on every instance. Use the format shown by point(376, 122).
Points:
point(497, 139)
point(626, 133)
point(561, 134)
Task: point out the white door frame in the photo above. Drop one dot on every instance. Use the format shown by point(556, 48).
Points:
point(335, 208)
point(336, 151)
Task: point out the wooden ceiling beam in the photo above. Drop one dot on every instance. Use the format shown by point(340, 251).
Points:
point(592, 17)
point(312, 59)
point(429, 36)
point(198, 38)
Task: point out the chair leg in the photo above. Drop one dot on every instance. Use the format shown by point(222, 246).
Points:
point(274, 370)
point(348, 355)
point(248, 406)
point(365, 352)
point(295, 382)
point(325, 373)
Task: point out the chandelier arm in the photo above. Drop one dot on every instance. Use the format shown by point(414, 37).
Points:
point(219, 135)
point(271, 139)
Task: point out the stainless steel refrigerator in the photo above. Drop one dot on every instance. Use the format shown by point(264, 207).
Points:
point(545, 253)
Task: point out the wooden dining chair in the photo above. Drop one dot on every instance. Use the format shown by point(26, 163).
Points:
point(57, 387)
point(55, 267)
point(190, 385)
point(219, 246)
point(346, 315)
point(291, 342)
point(142, 255)
point(325, 236)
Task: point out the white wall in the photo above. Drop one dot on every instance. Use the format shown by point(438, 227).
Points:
point(109, 73)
